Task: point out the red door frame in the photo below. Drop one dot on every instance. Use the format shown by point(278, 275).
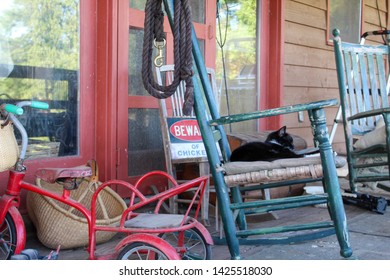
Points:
point(106, 88)
point(272, 60)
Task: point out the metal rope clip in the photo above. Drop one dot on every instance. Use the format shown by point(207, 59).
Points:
point(158, 60)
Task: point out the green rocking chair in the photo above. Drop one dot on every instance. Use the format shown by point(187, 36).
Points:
point(230, 183)
point(362, 72)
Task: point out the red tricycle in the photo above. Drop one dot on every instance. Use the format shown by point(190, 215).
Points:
point(151, 235)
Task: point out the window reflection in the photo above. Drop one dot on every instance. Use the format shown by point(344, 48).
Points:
point(237, 64)
point(197, 8)
point(44, 47)
point(346, 16)
point(136, 86)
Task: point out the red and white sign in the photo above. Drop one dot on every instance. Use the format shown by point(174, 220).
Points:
point(186, 130)
point(185, 138)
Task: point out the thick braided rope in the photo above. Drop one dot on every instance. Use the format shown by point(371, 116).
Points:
point(182, 49)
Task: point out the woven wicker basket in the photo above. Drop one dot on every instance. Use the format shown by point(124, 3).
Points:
point(9, 150)
point(59, 224)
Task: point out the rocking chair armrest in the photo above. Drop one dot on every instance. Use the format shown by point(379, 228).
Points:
point(370, 113)
point(273, 112)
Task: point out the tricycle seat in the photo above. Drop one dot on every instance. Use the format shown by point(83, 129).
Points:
point(155, 221)
point(52, 175)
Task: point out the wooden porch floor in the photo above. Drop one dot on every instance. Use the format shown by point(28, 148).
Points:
point(369, 238)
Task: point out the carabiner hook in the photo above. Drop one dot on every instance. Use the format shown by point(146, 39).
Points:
point(158, 60)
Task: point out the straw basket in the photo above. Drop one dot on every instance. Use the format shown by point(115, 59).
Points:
point(9, 150)
point(59, 224)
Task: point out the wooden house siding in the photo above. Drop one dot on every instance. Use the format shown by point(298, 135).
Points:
point(309, 67)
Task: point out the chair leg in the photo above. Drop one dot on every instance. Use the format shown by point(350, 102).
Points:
point(226, 215)
point(352, 176)
point(386, 118)
point(204, 169)
point(266, 194)
point(237, 198)
point(335, 202)
point(174, 208)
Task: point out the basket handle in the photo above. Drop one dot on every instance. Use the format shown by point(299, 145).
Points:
point(92, 186)
point(95, 170)
point(94, 181)
point(80, 198)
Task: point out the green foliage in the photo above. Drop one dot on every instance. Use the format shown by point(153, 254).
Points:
point(46, 34)
point(41, 33)
point(241, 35)
point(247, 14)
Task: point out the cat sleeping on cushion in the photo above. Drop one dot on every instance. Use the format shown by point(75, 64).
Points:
point(279, 144)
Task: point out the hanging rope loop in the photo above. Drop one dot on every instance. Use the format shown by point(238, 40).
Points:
point(159, 22)
point(182, 50)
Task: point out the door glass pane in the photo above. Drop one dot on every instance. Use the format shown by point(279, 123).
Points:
point(39, 54)
point(136, 86)
point(197, 8)
point(198, 11)
point(236, 71)
point(146, 152)
point(138, 4)
point(346, 16)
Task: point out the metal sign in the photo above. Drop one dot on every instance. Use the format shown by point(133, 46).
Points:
point(186, 139)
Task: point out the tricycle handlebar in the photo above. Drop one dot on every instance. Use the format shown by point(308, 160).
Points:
point(34, 104)
point(18, 110)
point(13, 109)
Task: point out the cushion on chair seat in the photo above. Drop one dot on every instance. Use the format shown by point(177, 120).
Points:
point(283, 169)
point(372, 138)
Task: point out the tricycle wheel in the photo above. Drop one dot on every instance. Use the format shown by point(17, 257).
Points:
point(190, 244)
point(141, 251)
point(7, 238)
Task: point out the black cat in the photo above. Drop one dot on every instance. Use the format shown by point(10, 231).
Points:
point(279, 144)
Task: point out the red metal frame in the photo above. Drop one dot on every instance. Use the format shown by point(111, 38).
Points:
point(19, 224)
point(10, 201)
point(155, 241)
